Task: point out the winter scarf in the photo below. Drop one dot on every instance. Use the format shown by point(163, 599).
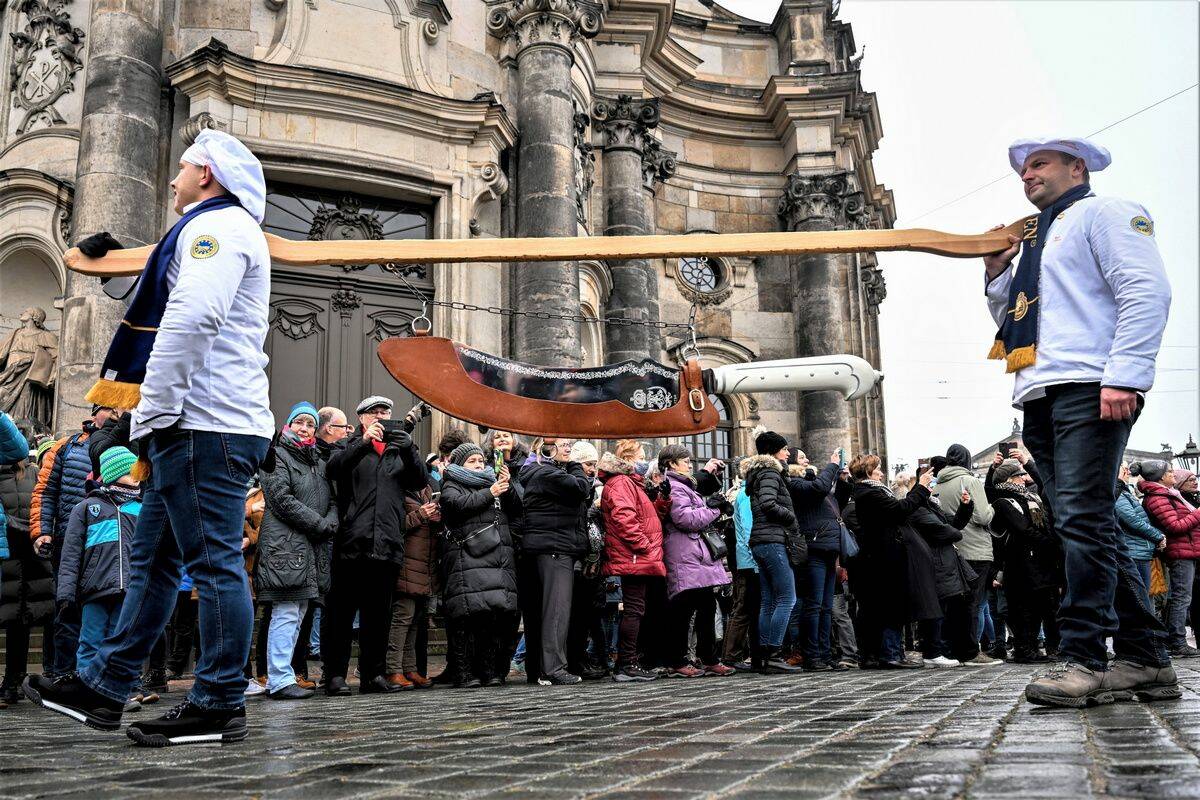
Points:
point(472, 479)
point(1036, 514)
point(125, 365)
point(1016, 341)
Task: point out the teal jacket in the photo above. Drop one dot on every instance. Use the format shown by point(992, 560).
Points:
point(1138, 536)
point(13, 450)
point(743, 521)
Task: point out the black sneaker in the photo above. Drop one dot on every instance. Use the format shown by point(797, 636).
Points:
point(561, 678)
point(817, 666)
point(188, 723)
point(73, 698)
point(291, 692)
point(592, 672)
point(1186, 651)
point(377, 685)
point(337, 687)
point(634, 673)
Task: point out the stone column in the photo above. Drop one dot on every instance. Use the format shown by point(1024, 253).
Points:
point(540, 35)
point(117, 185)
point(625, 123)
point(819, 203)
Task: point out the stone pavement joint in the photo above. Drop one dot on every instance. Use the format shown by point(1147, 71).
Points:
point(957, 733)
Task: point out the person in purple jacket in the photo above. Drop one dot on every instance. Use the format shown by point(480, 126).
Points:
point(692, 572)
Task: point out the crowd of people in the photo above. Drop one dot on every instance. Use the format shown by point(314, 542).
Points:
point(555, 563)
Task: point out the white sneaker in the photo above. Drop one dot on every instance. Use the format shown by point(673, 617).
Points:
point(942, 661)
point(983, 660)
point(254, 688)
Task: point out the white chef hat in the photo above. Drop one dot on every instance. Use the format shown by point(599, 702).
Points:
point(234, 167)
point(1095, 157)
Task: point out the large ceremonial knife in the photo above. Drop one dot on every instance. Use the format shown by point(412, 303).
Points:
point(630, 399)
point(572, 248)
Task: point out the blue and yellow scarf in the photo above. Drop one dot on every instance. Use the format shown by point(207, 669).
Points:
point(1016, 341)
point(125, 365)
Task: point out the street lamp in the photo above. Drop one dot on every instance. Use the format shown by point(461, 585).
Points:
point(1189, 456)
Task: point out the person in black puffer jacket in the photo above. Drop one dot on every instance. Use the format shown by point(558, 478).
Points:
point(1032, 572)
point(478, 565)
point(554, 543)
point(819, 521)
point(292, 570)
point(946, 641)
point(773, 542)
point(370, 477)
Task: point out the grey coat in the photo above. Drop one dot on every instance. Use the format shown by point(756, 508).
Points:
point(300, 516)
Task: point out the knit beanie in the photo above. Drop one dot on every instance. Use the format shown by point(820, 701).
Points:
point(1182, 476)
point(1008, 469)
point(583, 451)
point(1152, 470)
point(460, 454)
point(768, 443)
point(303, 407)
point(43, 447)
point(116, 463)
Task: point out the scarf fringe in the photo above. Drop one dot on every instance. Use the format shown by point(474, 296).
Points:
point(997, 352)
point(1021, 358)
point(114, 394)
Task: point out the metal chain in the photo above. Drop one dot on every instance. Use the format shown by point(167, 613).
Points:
point(458, 305)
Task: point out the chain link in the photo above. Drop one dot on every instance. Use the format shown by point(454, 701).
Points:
point(459, 305)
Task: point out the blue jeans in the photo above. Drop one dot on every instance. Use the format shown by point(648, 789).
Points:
point(286, 616)
point(1183, 573)
point(778, 589)
point(1078, 455)
point(314, 638)
point(192, 513)
point(892, 648)
point(98, 619)
point(1143, 568)
point(817, 616)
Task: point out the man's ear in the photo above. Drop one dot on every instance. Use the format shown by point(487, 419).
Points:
point(207, 179)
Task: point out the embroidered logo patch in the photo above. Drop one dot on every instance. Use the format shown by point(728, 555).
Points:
point(205, 247)
point(1022, 307)
point(1142, 225)
point(94, 509)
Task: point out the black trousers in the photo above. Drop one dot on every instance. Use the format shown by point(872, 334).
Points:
point(363, 586)
point(182, 632)
point(978, 594)
point(702, 603)
point(951, 636)
point(476, 641)
point(587, 610)
point(529, 596)
point(556, 583)
point(1031, 610)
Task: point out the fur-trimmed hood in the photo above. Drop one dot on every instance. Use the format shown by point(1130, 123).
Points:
point(611, 465)
point(751, 463)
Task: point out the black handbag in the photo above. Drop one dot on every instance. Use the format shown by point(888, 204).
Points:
point(714, 542)
point(797, 548)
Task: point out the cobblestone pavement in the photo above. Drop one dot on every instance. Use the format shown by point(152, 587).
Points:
point(928, 734)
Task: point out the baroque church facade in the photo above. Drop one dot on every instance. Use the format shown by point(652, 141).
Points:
point(402, 119)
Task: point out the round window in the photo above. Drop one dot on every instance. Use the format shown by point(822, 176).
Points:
point(700, 273)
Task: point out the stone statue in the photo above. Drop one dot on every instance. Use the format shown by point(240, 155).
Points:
point(28, 357)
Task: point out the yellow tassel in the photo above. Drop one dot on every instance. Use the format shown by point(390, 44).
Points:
point(1021, 358)
point(114, 394)
point(997, 351)
point(141, 470)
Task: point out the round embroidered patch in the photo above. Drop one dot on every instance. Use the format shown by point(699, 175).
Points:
point(205, 247)
point(1142, 225)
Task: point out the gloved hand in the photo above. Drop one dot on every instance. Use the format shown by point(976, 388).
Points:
point(98, 244)
point(415, 415)
point(664, 489)
point(399, 438)
point(719, 501)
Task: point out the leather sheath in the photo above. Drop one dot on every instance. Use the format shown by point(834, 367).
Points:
point(428, 366)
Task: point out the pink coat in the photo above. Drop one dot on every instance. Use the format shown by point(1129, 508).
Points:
point(689, 565)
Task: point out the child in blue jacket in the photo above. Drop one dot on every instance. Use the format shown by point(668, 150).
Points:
point(94, 570)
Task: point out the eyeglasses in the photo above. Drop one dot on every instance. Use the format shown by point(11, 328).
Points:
point(343, 427)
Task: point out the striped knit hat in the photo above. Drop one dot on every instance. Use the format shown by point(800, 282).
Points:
point(116, 463)
point(303, 407)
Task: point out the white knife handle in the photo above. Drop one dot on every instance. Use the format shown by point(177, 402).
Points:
point(850, 375)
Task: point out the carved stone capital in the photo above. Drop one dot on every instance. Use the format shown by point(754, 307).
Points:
point(523, 24)
point(196, 123)
point(823, 202)
point(658, 163)
point(494, 179)
point(625, 121)
point(874, 287)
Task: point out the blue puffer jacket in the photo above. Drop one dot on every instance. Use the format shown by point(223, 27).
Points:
point(13, 450)
point(743, 522)
point(62, 483)
point(97, 544)
point(1138, 536)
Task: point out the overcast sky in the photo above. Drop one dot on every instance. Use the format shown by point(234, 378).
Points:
point(956, 82)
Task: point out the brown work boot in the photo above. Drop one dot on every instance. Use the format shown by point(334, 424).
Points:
point(1070, 685)
point(398, 680)
point(1127, 680)
point(418, 680)
point(305, 683)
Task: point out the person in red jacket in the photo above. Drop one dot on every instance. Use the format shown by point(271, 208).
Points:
point(633, 550)
point(1175, 517)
